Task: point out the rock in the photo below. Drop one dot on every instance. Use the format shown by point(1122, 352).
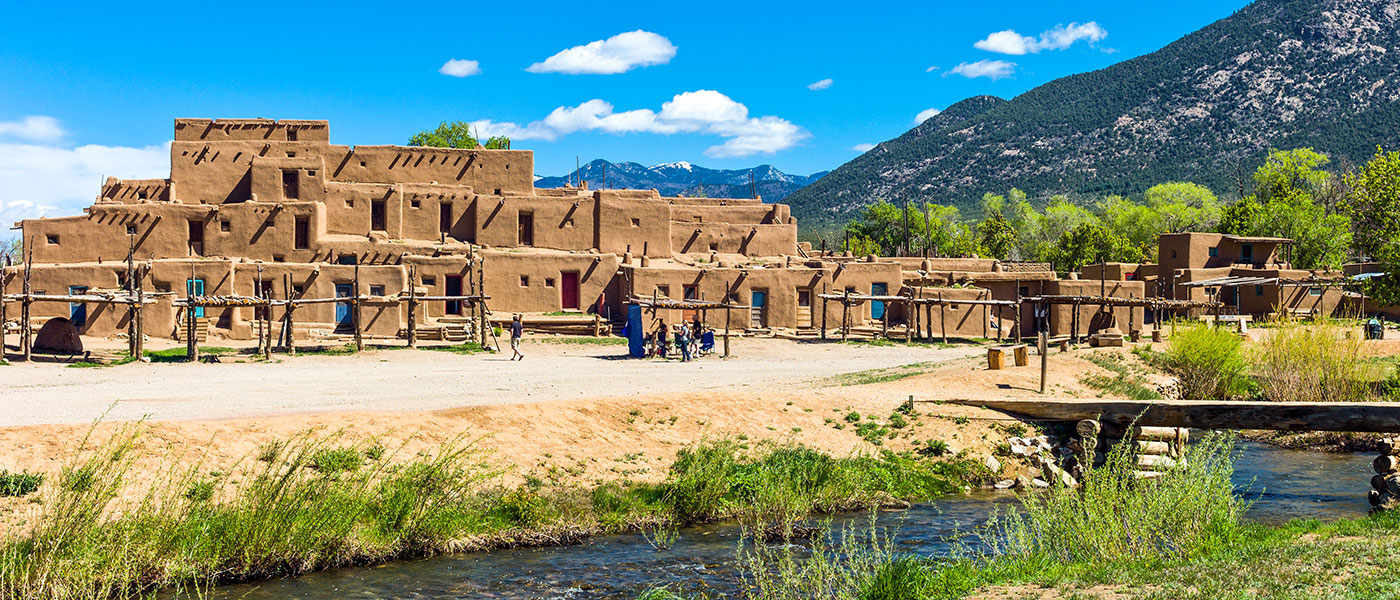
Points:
point(992, 463)
point(1005, 484)
point(1040, 483)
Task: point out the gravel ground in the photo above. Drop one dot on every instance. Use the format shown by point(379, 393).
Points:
point(419, 380)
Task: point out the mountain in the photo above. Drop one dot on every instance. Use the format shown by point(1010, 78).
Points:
point(1205, 108)
point(684, 178)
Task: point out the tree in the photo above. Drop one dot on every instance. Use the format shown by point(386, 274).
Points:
point(1088, 243)
point(1373, 204)
point(1287, 171)
point(456, 134)
point(996, 237)
point(1244, 217)
point(1287, 186)
point(12, 247)
point(498, 142)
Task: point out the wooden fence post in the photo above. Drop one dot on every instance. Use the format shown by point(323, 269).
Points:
point(25, 328)
point(727, 303)
point(943, 317)
point(412, 306)
point(139, 347)
point(846, 315)
point(824, 306)
point(359, 337)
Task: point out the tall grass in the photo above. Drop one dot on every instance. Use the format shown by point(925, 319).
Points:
point(1208, 363)
point(848, 565)
point(314, 502)
point(1312, 361)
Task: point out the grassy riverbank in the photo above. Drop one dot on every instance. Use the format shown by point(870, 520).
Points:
point(312, 502)
point(1180, 536)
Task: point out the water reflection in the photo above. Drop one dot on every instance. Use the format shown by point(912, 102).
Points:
point(1285, 484)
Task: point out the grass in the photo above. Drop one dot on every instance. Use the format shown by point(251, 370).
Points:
point(1209, 363)
point(1311, 362)
point(468, 348)
point(98, 365)
point(885, 374)
point(583, 340)
point(315, 502)
point(19, 484)
point(1128, 380)
point(180, 354)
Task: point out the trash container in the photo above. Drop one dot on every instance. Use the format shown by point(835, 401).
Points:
point(1374, 330)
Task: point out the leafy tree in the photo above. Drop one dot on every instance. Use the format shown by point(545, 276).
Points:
point(1244, 217)
point(996, 237)
point(12, 247)
point(498, 142)
point(1373, 204)
point(880, 224)
point(1285, 172)
point(456, 134)
point(859, 245)
point(1288, 185)
point(1088, 243)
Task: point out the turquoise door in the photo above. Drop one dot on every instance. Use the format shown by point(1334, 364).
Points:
point(77, 311)
point(758, 319)
point(195, 287)
point(343, 316)
point(877, 307)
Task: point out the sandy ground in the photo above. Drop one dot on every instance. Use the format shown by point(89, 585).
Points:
point(570, 412)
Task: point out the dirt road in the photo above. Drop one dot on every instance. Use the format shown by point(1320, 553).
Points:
point(419, 380)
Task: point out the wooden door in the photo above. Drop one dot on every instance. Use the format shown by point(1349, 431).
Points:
point(527, 229)
point(691, 292)
point(344, 317)
point(568, 290)
point(195, 287)
point(804, 308)
point(758, 305)
point(877, 307)
point(453, 285)
point(77, 311)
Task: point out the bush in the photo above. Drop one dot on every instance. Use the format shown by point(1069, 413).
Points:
point(19, 484)
point(1208, 363)
point(336, 460)
point(200, 491)
point(1310, 362)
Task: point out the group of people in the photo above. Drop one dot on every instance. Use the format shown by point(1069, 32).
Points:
point(689, 340)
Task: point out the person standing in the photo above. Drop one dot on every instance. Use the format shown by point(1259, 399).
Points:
point(517, 329)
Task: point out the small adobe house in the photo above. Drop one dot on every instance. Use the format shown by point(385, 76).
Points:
point(260, 207)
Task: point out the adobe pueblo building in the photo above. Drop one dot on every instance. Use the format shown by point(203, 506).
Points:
point(257, 208)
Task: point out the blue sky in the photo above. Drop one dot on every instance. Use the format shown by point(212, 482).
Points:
point(91, 90)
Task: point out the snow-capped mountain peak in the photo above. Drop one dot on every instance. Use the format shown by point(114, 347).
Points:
point(683, 165)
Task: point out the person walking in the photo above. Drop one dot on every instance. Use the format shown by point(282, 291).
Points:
point(683, 340)
point(517, 329)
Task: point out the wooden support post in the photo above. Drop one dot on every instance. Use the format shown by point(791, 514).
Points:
point(885, 323)
point(943, 317)
point(412, 307)
point(824, 307)
point(928, 322)
point(481, 296)
point(2, 314)
point(1074, 324)
point(727, 294)
point(267, 324)
point(909, 309)
point(355, 305)
point(985, 316)
point(1130, 317)
point(139, 347)
point(846, 316)
point(1016, 321)
point(1000, 324)
point(25, 328)
point(191, 344)
point(1044, 358)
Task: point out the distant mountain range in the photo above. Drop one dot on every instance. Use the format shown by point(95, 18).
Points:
point(677, 178)
point(1205, 108)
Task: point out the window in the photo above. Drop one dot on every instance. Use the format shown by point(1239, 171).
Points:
point(1025, 291)
point(1213, 252)
point(429, 281)
point(376, 290)
point(527, 228)
point(346, 259)
point(143, 195)
point(376, 215)
point(498, 191)
point(196, 236)
point(225, 226)
point(1247, 252)
point(302, 233)
point(52, 239)
point(1258, 290)
point(278, 258)
point(524, 281)
point(636, 222)
point(298, 290)
point(362, 163)
point(289, 185)
point(131, 230)
point(714, 247)
point(291, 135)
point(416, 203)
point(1173, 253)
point(549, 282)
point(663, 291)
point(1315, 291)
point(311, 173)
point(291, 155)
point(445, 217)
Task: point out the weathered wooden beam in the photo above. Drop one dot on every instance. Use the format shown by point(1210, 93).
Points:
point(1376, 417)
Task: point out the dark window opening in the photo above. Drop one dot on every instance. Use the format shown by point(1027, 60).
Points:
point(445, 217)
point(131, 230)
point(279, 258)
point(291, 135)
point(416, 203)
point(302, 234)
point(1247, 252)
point(527, 229)
point(225, 226)
point(289, 185)
point(298, 290)
point(346, 259)
point(376, 215)
point(52, 239)
point(524, 281)
point(376, 290)
point(196, 236)
point(549, 282)
point(636, 222)
point(663, 291)
point(429, 281)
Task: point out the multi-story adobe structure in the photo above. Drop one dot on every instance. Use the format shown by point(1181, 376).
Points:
point(258, 206)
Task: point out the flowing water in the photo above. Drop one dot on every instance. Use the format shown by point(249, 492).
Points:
point(1284, 484)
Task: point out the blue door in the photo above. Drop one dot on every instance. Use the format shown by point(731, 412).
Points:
point(758, 319)
point(877, 307)
point(77, 311)
point(343, 316)
point(195, 287)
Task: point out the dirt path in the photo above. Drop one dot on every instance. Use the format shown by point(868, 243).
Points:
point(417, 380)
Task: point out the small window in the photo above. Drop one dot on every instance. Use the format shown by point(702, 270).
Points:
point(416, 203)
point(636, 222)
point(1214, 252)
point(714, 247)
point(1173, 253)
point(349, 203)
point(131, 230)
point(1315, 291)
point(279, 258)
point(52, 239)
point(225, 226)
point(143, 195)
point(298, 289)
point(291, 135)
point(311, 173)
point(362, 163)
point(289, 184)
point(498, 191)
point(429, 281)
point(376, 290)
point(549, 282)
point(524, 281)
point(346, 259)
point(663, 291)
point(1258, 290)
point(1025, 291)
point(291, 155)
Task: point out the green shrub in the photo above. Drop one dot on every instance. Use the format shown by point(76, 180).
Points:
point(903, 578)
point(1208, 363)
point(935, 448)
point(200, 491)
point(19, 484)
point(852, 417)
point(1313, 361)
point(336, 460)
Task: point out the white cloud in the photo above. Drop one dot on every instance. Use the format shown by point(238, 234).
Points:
point(617, 54)
point(32, 128)
point(459, 67)
point(991, 69)
point(705, 112)
point(932, 69)
point(819, 85)
point(925, 114)
point(46, 180)
point(1058, 38)
point(866, 147)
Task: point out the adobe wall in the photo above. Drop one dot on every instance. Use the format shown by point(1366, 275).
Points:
point(1091, 317)
point(532, 282)
point(959, 320)
point(134, 191)
point(637, 225)
point(557, 224)
point(727, 238)
point(268, 130)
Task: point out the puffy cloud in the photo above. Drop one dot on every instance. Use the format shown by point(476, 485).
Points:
point(459, 67)
point(1058, 38)
point(819, 85)
point(705, 112)
point(617, 54)
point(866, 147)
point(46, 180)
point(991, 69)
point(925, 114)
point(32, 128)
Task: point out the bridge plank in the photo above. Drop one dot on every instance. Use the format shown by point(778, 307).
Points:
point(1377, 417)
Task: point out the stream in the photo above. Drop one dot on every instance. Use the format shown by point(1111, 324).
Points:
point(1284, 484)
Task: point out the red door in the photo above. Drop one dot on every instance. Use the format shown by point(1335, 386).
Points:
point(568, 290)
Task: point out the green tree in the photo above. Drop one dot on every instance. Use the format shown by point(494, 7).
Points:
point(456, 134)
point(1088, 243)
point(996, 237)
point(1286, 204)
point(1244, 217)
point(498, 142)
point(1373, 204)
point(1286, 172)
